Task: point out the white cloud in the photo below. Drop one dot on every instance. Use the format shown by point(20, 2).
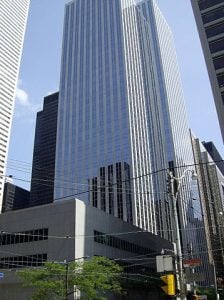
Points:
point(26, 109)
point(22, 97)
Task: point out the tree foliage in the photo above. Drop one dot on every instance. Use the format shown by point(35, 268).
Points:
point(94, 278)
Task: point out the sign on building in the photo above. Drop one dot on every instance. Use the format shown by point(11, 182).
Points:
point(194, 262)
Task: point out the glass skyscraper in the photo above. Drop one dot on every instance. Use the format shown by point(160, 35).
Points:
point(13, 17)
point(121, 111)
point(122, 121)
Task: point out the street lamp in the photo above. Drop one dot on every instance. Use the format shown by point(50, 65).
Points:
point(174, 196)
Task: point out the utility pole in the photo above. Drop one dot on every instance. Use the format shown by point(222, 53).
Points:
point(215, 282)
point(66, 262)
point(66, 279)
point(193, 270)
point(174, 195)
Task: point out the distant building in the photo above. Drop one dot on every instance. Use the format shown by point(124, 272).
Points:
point(215, 155)
point(42, 181)
point(14, 197)
point(13, 17)
point(211, 189)
point(69, 229)
point(209, 15)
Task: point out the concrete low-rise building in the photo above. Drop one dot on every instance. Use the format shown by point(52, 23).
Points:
point(67, 230)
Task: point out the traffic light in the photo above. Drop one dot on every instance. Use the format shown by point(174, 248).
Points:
point(169, 288)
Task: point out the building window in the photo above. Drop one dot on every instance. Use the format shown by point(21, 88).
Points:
point(23, 237)
point(214, 30)
point(220, 78)
point(219, 62)
point(102, 188)
point(15, 262)
point(119, 191)
point(111, 189)
point(217, 45)
point(213, 15)
point(203, 4)
point(94, 192)
point(222, 98)
point(114, 242)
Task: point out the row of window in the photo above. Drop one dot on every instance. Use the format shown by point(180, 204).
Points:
point(109, 240)
point(24, 237)
point(217, 45)
point(15, 262)
point(213, 15)
point(203, 4)
point(214, 30)
point(220, 78)
point(219, 62)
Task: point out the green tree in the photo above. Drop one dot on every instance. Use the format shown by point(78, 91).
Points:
point(94, 278)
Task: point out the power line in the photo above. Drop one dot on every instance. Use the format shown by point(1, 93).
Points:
point(114, 184)
point(103, 234)
point(115, 259)
point(124, 181)
point(151, 173)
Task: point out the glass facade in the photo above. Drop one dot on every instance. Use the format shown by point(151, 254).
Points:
point(15, 262)
point(121, 112)
point(114, 242)
point(93, 122)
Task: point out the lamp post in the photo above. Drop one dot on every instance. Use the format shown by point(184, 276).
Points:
point(174, 196)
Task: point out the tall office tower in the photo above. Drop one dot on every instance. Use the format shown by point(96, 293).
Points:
point(43, 168)
point(13, 17)
point(209, 15)
point(121, 118)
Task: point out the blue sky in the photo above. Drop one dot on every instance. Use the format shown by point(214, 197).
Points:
point(40, 67)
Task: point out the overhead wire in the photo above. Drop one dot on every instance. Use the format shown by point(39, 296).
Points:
point(113, 184)
point(5, 232)
point(140, 176)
